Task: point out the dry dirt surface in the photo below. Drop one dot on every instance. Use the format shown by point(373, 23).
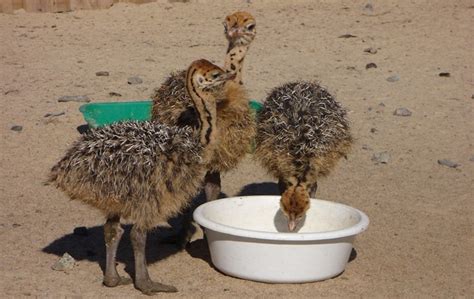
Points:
point(420, 239)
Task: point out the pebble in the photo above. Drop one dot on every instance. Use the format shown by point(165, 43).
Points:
point(347, 35)
point(81, 231)
point(54, 114)
point(11, 91)
point(80, 99)
point(16, 128)
point(373, 130)
point(393, 78)
point(444, 74)
point(135, 80)
point(102, 74)
point(448, 163)
point(371, 50)
point(114, 94)
point(368, 7)
point(380, 108)
point(471, 159)
point(366, 147)
point(66, 262)
point(382, 157)
point(370, 66)
point(402, 112)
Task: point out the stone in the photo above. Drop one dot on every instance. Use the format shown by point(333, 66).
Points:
point(79, 99)
point(102, 74)
point(16, 128)
point(347, 35)
point(393, 78)
point(448, 163)
point(65, 263)
point(371, 50)
point(54, 114)
point(381, 158)
point(444, 74)
point(368, 7)
point(471, 159)
point(134, 80)
point(370, 65)
point(402, 112)
point(114, 94)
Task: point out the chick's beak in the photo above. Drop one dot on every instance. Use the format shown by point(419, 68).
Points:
point(228, 76)
point(291, 225)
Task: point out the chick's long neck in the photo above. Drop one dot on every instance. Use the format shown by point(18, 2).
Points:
point(205, 105)
point(234, 60)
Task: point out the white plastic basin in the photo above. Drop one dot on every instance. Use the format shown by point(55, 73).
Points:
point(248, 238)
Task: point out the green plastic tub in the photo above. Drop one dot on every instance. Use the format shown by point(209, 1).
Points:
point(101, 114)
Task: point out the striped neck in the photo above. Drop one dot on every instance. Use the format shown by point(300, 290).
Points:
point(205, 105)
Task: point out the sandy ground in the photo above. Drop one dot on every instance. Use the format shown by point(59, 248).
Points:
point(420, 240)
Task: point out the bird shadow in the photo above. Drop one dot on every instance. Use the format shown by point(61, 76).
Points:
point(88, 243)
point(83, 129)
point(265, 188)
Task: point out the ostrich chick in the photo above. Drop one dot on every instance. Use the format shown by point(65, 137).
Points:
point(145, 172)
point(236, 124)
point(302, 131)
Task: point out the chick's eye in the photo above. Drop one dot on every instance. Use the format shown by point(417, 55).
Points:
point(251, 27)
point(215, 75)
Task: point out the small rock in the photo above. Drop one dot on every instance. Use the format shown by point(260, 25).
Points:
point(54, 114)
point(13, 91)
point(135, 80)
point(444, 74)
point(347, 35)
point(81, 231)
point(371, 50)
point(402, 112)
point(368, 7)
point(150, 60)
point(366, 147)
point(448, 163)
point(382, 157)
point(16, 128)
point(471, 159)
point(393, 78)
point(380, 108)
point(370, 66)
point(66, 262)
point(80, 99)
point(102, 74)
point(14, 225)
point(373, 130)
point(114, 94)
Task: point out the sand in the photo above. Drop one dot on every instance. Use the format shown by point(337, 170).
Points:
point(420, 239)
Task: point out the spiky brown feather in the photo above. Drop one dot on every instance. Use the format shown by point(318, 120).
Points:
point(142, 171)
point(235, 122)
point(302, 131)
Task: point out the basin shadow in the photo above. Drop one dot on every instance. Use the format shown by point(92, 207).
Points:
point(199, 249)
point(265, 188)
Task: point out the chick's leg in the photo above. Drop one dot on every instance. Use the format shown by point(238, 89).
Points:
point(212, 185)
point(113, 233)
point(142, 279)
point(312, 190)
